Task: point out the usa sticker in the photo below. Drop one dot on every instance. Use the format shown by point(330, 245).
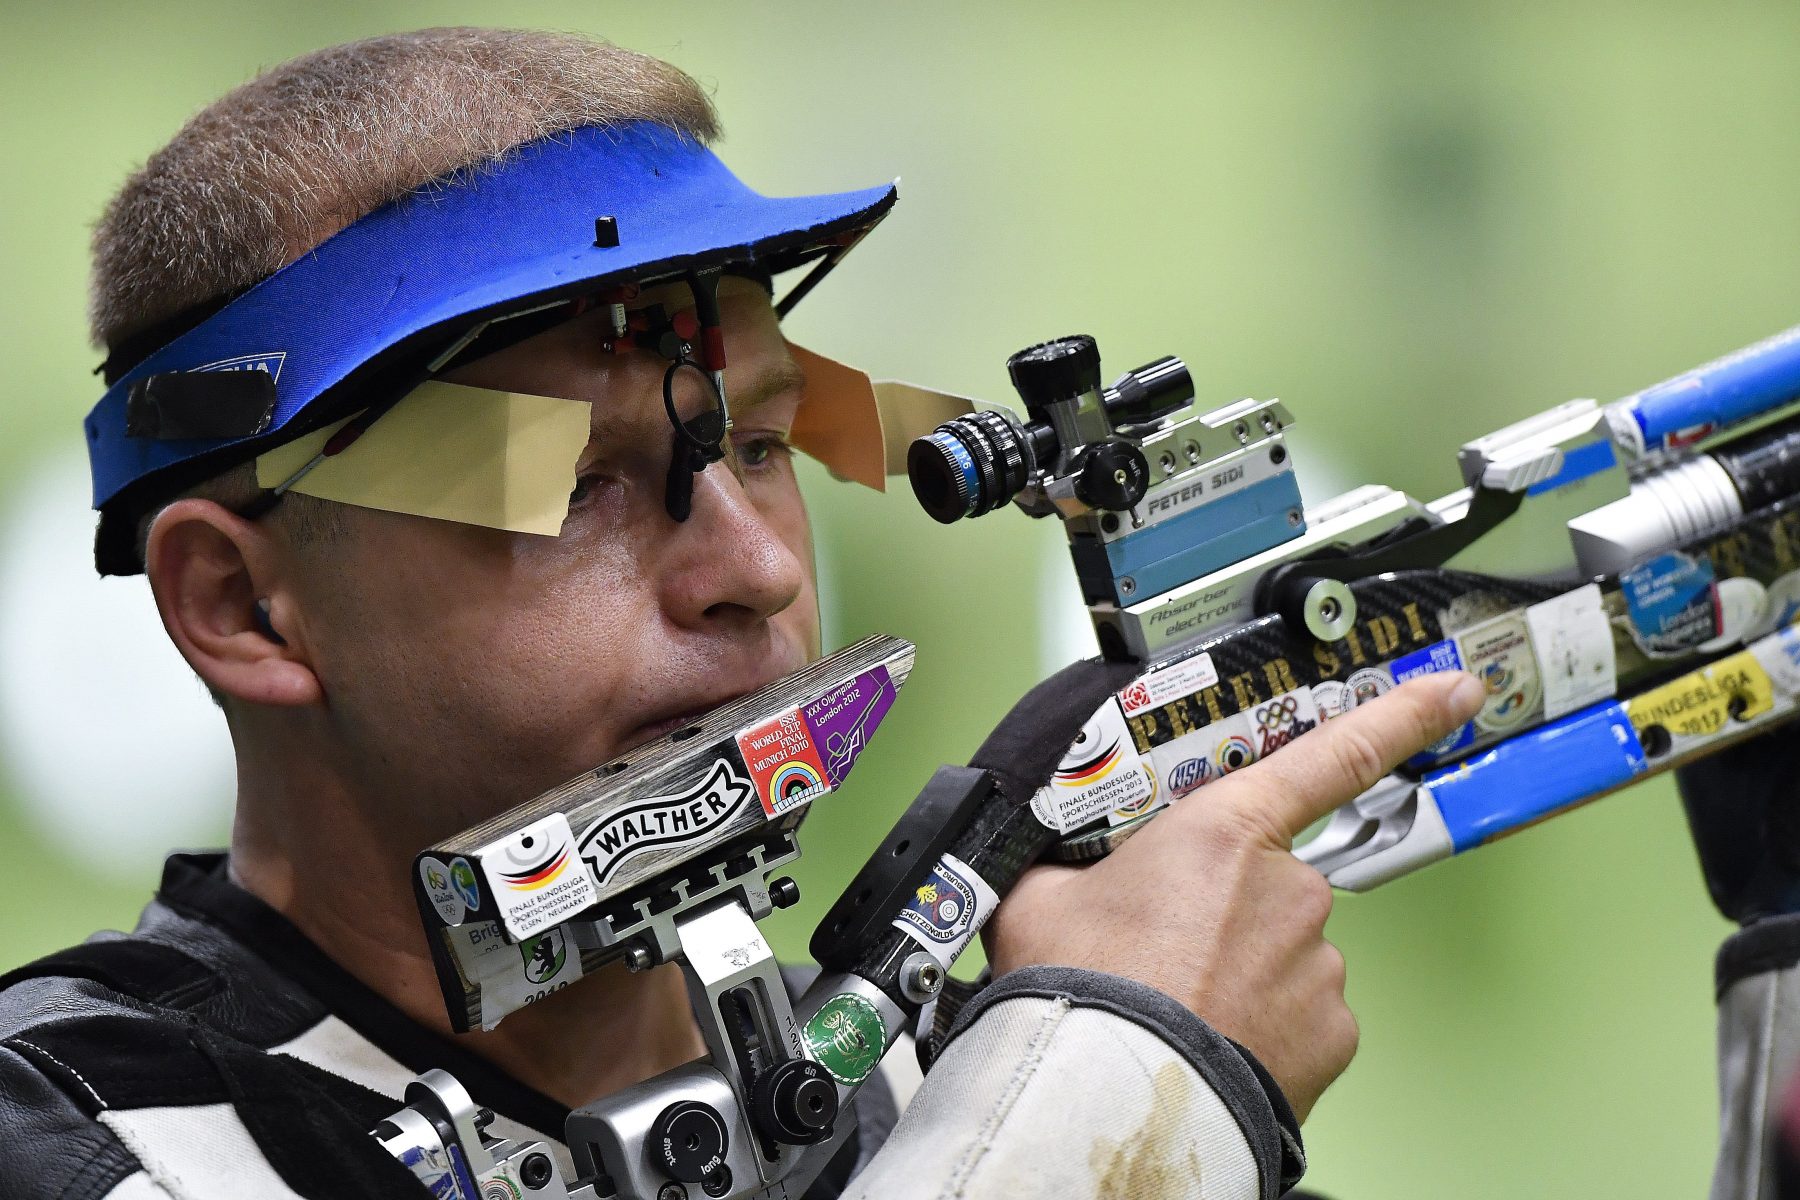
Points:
point(1439, 656)
point(842, 719)
point(1499, 653)
point(536, 877)
point(1573, 642)
point(947, 909)
point(1098, 774)
point(1156, 688)
point(784, 763)
point(622, 835)
point(445, 898)
point(1279, 721)
point(1185, 763)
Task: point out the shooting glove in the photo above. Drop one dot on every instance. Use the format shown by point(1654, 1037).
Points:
point(1743, 808)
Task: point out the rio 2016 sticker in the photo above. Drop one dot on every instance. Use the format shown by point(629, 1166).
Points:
point(783, 762)
point(1500, 654)
point(620, 836)
point(846, 1037)
point(445, 899)
point(1098, 774)
point(536, 877)
point(1279, 721)
point(948, 909)
point(462, 878)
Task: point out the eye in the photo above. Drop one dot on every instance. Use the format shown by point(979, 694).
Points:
point(585, 486)
point(758, 450)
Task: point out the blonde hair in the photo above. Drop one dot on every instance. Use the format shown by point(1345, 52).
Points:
point(276, 166)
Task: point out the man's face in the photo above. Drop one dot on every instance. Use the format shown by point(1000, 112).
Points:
point(465, 669)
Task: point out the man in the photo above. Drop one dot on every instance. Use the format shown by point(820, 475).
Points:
point(424, 616)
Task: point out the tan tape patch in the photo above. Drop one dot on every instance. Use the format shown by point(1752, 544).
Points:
point(503, 460)
point(909, 412)
point(838, 421)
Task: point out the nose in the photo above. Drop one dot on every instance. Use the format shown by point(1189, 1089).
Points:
point(729, 562)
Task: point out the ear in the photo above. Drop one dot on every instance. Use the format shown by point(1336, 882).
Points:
point(208, 568)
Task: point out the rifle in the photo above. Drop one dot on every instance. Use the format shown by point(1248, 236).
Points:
point(1622, 577)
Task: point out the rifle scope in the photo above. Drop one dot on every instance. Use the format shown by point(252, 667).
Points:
point(975, 464)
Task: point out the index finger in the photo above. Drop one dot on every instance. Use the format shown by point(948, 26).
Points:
point(1347, 755)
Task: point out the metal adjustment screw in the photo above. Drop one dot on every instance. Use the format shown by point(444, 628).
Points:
point(1127, 586)
point(1167, 462)
point(1242, 431)
point(1268, 423)
point(718, 1183)
point(1193, 451)
point(1294, 517)
point(921, 977)
point(1330, 608)
point(637, 959)
point(671, 1191)
point(535, 1171)
point(784, 893)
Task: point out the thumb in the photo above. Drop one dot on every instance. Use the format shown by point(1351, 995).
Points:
point(1327, 767)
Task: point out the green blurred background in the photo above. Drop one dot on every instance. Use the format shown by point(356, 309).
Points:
point(1414, 222)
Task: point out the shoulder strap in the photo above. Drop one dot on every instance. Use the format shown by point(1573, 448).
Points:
point(146, 971)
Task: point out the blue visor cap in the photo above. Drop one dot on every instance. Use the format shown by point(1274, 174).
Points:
point(361, 316)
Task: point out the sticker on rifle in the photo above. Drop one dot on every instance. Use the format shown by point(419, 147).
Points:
point(1185, 763)
point(1234, 743)
point(1439, 656)
point(688, 816)
point(462, 878)
point(445, 899)
point(1098, 774)
point(846, 1037)
point(1779, 655)
point(1741, 604)
point(1153, 689)
point(1781, 604)
point(1151, 801)
point(530, 970)
point(536, 877)
point(784, 763)
point(1279, 721)
point(1499, 653)
point(1332, 698)
point(1673, 603)
point(1573, 642)
point(1368, 683)
point(1703, 702)
point(842, 719)
point(948, 909)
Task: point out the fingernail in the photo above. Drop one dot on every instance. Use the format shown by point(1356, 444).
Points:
point(1467, 697)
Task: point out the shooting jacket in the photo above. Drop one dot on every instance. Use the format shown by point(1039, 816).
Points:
point(215, 1054)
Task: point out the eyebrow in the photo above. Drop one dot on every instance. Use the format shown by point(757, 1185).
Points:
point(776, 379)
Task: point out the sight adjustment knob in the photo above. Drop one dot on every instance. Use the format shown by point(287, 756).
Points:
point(688, 1141)
point(1111, 476)
point(795, 1102)
point(1051, 371)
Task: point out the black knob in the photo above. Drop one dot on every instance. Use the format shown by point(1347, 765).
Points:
point(688, 1140)
point(1111, 476)
point(795, 1102)
point(1052, 371)
point(784, 893)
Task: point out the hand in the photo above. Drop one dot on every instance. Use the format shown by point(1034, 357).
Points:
point(1208, 905)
